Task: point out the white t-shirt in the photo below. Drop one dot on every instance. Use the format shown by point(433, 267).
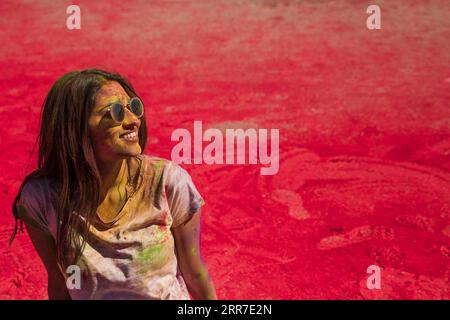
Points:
point(133, 257)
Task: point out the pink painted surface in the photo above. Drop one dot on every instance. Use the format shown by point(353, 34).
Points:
point(364, 119)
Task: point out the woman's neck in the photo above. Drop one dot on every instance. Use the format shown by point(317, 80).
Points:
point(112, 174)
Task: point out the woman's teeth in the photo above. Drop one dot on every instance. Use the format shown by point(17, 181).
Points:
point(129, 136)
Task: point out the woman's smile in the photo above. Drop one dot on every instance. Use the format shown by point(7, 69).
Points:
point(131, 137)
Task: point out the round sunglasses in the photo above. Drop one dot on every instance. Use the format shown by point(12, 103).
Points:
point(117, 110)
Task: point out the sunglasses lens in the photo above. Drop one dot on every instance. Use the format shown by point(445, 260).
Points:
point(117, 112)
point(137, 107)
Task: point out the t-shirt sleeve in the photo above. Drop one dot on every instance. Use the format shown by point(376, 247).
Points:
point(182, 196)
point(31, 206)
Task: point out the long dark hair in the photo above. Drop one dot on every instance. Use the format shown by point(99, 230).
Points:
point(66, 157)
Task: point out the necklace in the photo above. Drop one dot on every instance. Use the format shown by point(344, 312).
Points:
point(130, 187)
point(132, 181)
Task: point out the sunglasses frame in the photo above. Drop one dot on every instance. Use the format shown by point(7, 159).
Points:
point(127, 106)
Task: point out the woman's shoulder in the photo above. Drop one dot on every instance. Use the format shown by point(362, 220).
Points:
point(167, 170)
point(36, 187)
point(155, 163)
point(36, 204)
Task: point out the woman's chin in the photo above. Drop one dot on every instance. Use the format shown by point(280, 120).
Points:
point(136, 151)
point(131, 150)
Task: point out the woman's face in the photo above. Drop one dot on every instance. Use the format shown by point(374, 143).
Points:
point(112, 140)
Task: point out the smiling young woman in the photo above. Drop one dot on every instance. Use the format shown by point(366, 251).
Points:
point(129, 222)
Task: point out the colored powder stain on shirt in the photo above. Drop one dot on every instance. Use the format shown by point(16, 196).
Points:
point(160, 234)
point(158, 164)
point(81, 262)
point(84, 268)
point(152, 258)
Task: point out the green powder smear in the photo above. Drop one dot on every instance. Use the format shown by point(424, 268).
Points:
point(158, 164)
point(152, 257)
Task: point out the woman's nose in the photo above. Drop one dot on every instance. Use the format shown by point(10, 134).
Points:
point(130, 119)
